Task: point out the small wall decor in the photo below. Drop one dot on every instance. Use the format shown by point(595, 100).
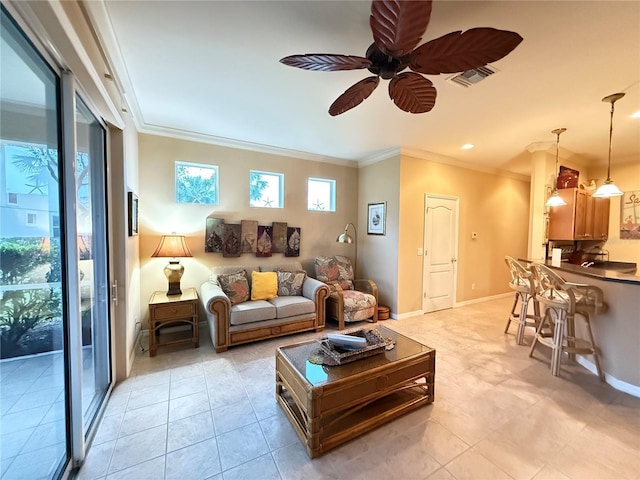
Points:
point(133, 213)
point(249, 235)
point(264, 244)
point(630, 215)
point(279, 237)
point(567, 178)
point(214, 233)
point(376, 218)
point(293, 242)
point(231, 242)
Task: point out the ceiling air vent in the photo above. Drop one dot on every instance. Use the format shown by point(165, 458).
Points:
point(471, 77)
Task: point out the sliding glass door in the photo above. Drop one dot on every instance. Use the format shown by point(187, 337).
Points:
point(54, 281)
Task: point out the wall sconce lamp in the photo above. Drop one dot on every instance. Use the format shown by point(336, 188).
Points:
point(173, 246)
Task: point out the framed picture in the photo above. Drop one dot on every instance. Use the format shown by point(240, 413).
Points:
point(376, 218)
point(133, 214)
point(630, 215)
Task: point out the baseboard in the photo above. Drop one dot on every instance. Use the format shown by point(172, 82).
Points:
point(483, 299)
point(400, 316)
point(610, 379)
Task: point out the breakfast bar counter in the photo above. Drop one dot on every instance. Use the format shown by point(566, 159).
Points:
point(616, 331)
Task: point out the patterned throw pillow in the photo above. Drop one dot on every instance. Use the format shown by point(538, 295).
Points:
point(327, 269)
point(235, 286)
point(290, 283)
point(344, 267)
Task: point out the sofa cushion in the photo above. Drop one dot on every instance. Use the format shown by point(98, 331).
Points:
point(290, 306)
point(226, 269)
point(252, 311)
point(326, 269)
point(235, 286)
point(358, 305)
point(290, 283)
point(335, 270)
point(264, 285)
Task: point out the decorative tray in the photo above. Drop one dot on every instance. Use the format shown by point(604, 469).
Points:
point(376, 344)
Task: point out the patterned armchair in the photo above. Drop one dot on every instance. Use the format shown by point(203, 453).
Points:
point(350, 300)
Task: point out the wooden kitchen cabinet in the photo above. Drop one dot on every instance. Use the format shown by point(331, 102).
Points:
point(600, 218)
point(582, 218)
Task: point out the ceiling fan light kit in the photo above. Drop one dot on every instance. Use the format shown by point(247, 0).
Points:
point(397, 28)
point(608, 188)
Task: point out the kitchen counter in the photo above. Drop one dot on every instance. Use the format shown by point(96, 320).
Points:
point(607, 275)
point(616, 331)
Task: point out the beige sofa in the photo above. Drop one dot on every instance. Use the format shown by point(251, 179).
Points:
point(249, 321)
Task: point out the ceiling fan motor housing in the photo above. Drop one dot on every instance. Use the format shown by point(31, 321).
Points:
point(385, 65)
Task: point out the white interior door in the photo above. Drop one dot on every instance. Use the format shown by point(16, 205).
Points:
point(440, 252)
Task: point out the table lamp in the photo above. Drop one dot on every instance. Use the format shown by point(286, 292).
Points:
point(173, 246)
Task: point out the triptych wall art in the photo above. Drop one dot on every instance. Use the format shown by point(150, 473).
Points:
point(233, 239)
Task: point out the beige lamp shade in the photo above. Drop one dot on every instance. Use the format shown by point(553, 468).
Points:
point(173, 246)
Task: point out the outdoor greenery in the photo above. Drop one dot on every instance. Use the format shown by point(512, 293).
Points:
point(195, 188)
point(256, 185)
point(27, 261)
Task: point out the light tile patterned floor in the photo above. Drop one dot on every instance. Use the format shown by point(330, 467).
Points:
point(194, 414)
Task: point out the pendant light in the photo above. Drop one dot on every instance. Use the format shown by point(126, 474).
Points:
point(555, 200)
point(608, 188)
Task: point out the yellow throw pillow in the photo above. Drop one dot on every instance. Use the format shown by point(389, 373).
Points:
point(264, 285)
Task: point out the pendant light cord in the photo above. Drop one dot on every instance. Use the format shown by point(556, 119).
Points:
point(610, 140)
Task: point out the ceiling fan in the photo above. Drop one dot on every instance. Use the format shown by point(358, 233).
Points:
point(397, 28)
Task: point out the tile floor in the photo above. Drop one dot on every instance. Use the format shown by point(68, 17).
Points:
point(194, 414)
point(32, 415)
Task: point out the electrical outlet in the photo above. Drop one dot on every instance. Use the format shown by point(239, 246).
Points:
point(473, 286)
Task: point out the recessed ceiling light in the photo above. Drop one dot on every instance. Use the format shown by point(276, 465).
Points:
point(467, 146)
point(636, 115)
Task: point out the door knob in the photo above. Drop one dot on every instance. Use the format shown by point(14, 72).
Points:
point(454, 260)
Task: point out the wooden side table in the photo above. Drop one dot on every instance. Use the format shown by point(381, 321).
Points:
point(173, 310)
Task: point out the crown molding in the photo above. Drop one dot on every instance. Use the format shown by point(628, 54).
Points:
point(244, 145)
point(539, 147)
point(434, 157)
point(379, 156)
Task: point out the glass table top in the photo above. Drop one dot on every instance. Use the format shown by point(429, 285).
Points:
point(317, 375)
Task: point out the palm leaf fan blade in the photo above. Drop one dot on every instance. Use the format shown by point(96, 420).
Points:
point(326, 62)
point(461, 51)
point(412, 93)
point(398, 26)
point(354, 95)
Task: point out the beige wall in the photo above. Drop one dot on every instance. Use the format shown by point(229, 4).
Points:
point(495, 207)
point(160, 214)
point(626, 175)
point(378, 254)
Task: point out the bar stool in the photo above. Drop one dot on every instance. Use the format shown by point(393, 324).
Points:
point(523, 283)
point(563, 301)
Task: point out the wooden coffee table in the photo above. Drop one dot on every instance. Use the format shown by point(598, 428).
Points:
point(332, 405)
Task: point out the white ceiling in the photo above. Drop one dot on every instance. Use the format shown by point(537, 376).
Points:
point(210, 70)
